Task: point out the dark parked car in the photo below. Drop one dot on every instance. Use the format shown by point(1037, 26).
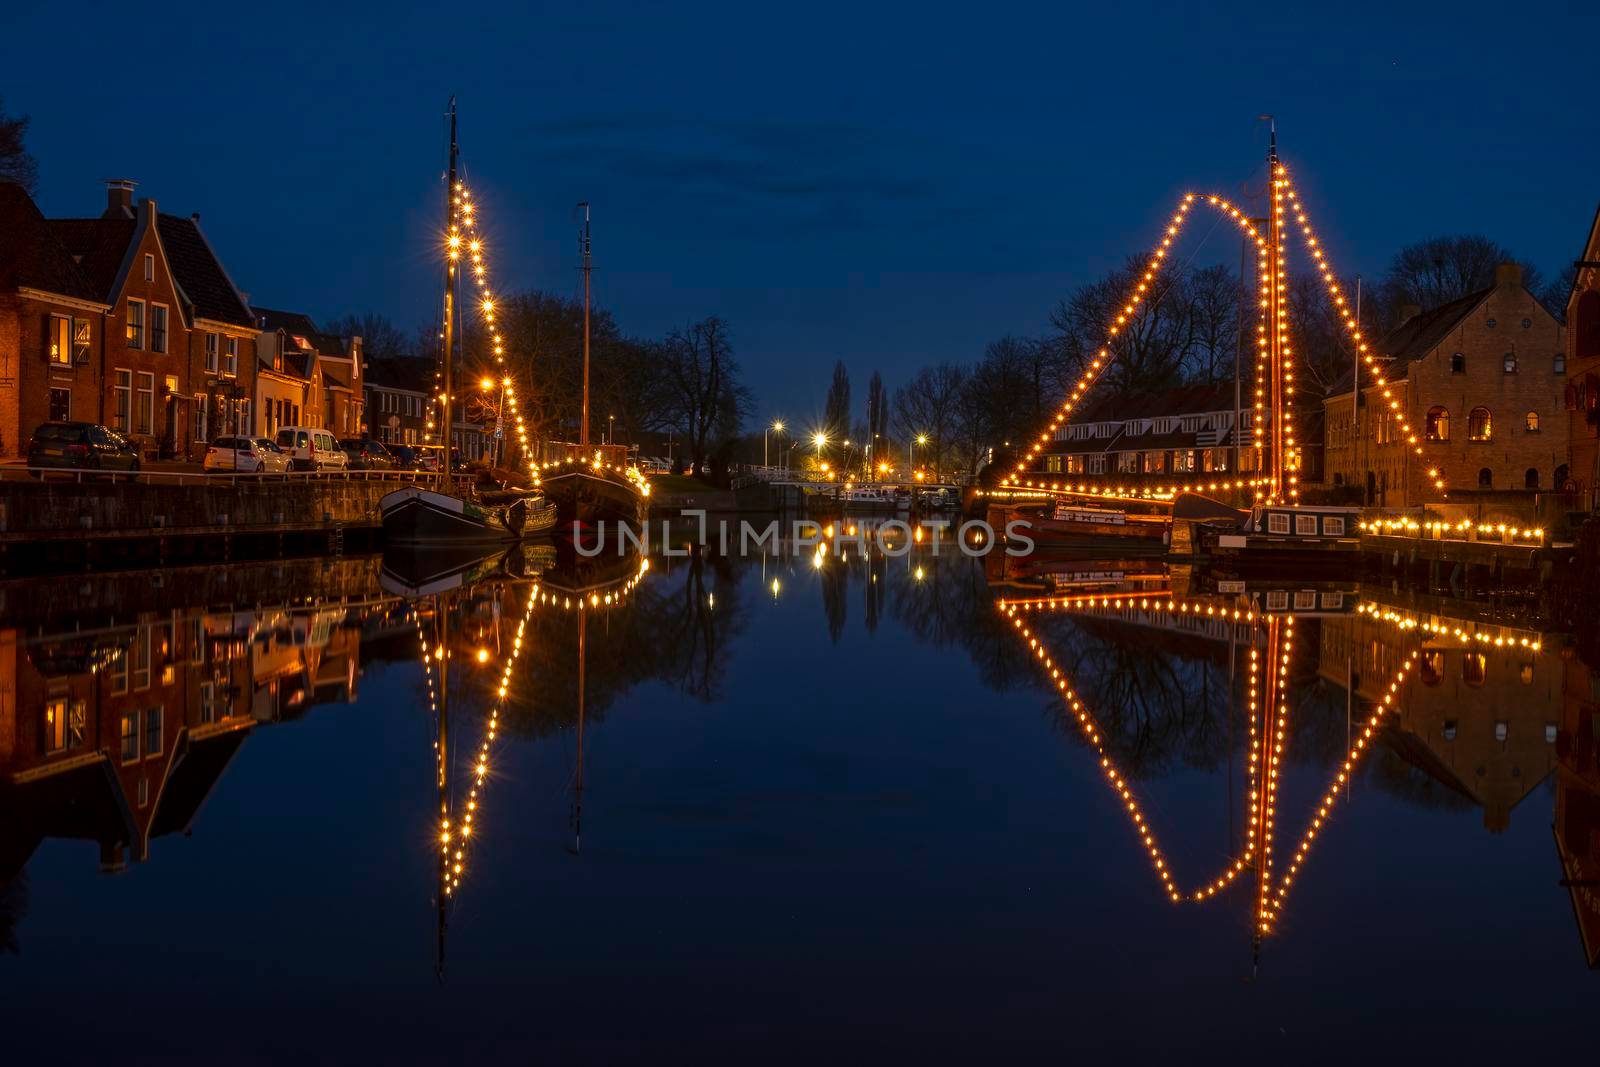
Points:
point(81, 446)
point(405, 457)
point(366, 454)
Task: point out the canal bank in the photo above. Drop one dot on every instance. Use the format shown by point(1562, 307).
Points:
point(80, 524)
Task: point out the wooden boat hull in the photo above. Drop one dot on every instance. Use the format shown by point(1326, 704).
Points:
point(590, 498)
point(416, 516)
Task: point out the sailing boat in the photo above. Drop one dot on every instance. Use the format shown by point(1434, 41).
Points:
point(593, 484)
point(457, 512)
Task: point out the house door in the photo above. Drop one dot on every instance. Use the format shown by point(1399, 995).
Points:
point(169, 429)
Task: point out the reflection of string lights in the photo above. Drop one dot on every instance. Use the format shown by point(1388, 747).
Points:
point(1504, 638)
point(1268, 700)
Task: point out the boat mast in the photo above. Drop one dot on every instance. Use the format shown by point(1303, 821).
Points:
point(452, 192)
point(583, 242)
point(441, 614)
point(1274, 282)
point(577, 782)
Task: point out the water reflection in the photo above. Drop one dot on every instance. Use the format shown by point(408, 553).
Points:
point(126, 699)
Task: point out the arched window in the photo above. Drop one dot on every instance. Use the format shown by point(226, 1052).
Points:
point(1458, 363)
point(1558, 363)
point(1438, 424)
point(1530, 422)
point(1474, 668)
point(1530, 478)
point(1561, 476)
point(1511, 362)
point(1485, 478)
point(1480, 425)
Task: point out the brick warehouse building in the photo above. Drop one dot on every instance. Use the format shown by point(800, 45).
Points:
point(162, 345)
point(1582, 392)
point(1480, 380)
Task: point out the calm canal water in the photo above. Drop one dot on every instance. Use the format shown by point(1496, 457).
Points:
point(834, 810)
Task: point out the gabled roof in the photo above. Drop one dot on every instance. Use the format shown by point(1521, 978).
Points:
point(290, 322)
point(99, 246)
point(211, 293)
point(31, 255)
point(1417, 336)
point(1184, 400)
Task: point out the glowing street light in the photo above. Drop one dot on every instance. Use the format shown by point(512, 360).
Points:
point(776, 427)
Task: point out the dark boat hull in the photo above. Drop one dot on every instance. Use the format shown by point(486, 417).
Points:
point(580, 496)
point(414, 516)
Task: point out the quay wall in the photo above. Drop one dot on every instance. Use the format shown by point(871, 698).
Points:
point(67, 509)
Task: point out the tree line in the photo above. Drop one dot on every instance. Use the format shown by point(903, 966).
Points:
point(1196, 327)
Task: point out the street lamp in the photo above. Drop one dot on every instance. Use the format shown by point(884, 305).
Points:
point(819, 439)
point(611, 429)
point(486, 384)
point(776, 427)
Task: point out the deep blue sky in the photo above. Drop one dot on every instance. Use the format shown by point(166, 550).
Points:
point(888, 186)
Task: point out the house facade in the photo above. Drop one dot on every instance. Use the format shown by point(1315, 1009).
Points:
point(1184, 431)
point(52, 327)
point(1581, 393)
point(397, 400)
point(166, 294)
point(1479, 380)
point(306, 377)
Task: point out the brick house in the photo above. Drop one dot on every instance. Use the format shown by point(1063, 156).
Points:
point(1182, 431)
point(1582, 392)
point(222, 336)
point(1480, 382)
point(52, 327)
point(167, 296)
point(307, 377)
point(398, 392)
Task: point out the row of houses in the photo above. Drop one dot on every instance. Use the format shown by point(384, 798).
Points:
point(129, 319)
point(1498, 392)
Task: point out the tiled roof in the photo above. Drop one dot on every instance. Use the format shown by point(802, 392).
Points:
point(1184, 400)
point(202, 278)
point(290, 322)
point(1416, 337)
point(99, 246)
point(329, 345)
point(412, 373)
point(31, 255)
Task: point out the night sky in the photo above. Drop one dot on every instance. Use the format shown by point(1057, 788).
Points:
point(887, 187)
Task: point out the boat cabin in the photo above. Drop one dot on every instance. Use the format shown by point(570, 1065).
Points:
point(1304, 523)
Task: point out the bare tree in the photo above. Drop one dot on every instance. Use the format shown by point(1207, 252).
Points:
point(928, 406)
point(380, 338)
point(1441, 269)
point(1147, 353)
point(700, 383)
point(836, 412)
point(16, 164)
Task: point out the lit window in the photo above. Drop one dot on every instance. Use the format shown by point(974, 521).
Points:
point(1277, 523)
point(60, 340)
point(1474, 668)
point(1480, 425)
point(130, 737)
point(1432, 667)
point(1305, 525)
point(1438, 424)
point(1530, 422)
point(230, 366)
point(136, 324)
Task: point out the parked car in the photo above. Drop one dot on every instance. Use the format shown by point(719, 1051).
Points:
point(80, 446)
point(310, 449)
point(245, 455)
point(366, 454)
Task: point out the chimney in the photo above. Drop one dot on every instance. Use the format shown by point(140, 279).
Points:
point(1508, 276)
point(119, 198)
point(1407, 313)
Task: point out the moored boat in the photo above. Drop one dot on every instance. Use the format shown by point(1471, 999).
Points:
point(1275, 534)
point(415, 515)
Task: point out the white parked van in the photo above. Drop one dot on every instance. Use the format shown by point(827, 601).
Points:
point(310, 449)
